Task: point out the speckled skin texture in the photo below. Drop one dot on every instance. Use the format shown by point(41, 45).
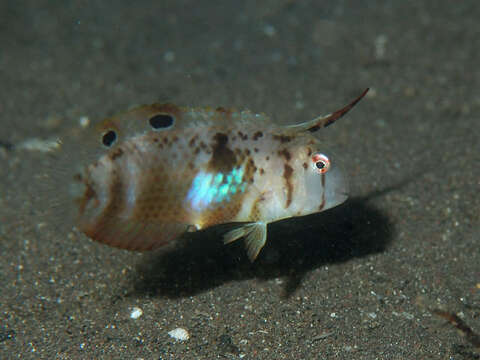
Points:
point(354, 282)
point(159, 170)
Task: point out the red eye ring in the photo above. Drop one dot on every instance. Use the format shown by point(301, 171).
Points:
point(321, 163)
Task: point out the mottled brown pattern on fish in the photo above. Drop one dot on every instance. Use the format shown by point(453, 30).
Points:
point(243, 136)
point(285, 153)
point(114, 206)
point(250, 170)
point(223, 158)
point(283, 138)
point(116, 153)
point(257, 135)
point(88, 194)
point(222, 214)
point(322, 204)
point(193, 140)
point(255, 212)
point(208, 169)
point(224, 114)
point(287, 175)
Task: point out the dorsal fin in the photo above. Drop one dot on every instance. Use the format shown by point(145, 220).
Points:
point(324, 121)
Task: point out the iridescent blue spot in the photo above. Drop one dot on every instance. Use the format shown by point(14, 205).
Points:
point(218, 179)
point(238, 176)
point(222, 192)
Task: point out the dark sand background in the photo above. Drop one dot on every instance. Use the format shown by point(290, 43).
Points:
point(356, 282)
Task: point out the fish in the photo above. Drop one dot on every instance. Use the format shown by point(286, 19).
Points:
point(141, 179)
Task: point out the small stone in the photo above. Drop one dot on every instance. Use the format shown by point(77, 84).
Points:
point(136, 313)
point(179, 334)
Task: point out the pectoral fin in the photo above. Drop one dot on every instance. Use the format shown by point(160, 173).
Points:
point(255, 235)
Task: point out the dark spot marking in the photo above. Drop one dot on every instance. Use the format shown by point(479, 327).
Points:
point(109, 138)
point(226, 112)
point(287, 175)
point(203, 146)
point(192, 141)
point(262, 171)
point(257, 135)
point(161, 121)
point(165, 140)
point(267, 158)
point(283, 138)
point(305, 166)
point(250, 170)
point(243, 136)
point(155, 140)
point(285, 153)
point(322, 205)
point(197, 151)
point(223, 158)
point(247, 152)
point(116, 154)
point(175, 138)
point(309, 151)
point(255, 149)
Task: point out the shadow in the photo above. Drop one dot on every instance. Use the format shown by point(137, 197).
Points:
point(294, 247)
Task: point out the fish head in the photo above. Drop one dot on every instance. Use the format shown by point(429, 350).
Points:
point(313, 178)
point(325, 183)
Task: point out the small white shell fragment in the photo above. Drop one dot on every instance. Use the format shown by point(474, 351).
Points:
point(136, 313)
point(179, 334)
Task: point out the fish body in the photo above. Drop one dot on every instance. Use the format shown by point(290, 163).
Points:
point(161, 170)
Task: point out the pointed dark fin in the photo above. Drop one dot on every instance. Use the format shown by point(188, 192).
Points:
point(255, 237)
point(324, 121)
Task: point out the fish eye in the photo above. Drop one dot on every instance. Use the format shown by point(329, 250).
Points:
point(109, 138)
point(161, 121)
point(321, 162)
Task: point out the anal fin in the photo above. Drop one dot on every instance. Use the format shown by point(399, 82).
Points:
point(255, 235)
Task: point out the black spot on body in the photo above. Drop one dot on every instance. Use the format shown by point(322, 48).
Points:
point(305, 166)
point(161, 121)
point(109, 138)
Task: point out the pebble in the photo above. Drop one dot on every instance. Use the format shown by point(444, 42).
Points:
point(136, 313)
point(179, 334)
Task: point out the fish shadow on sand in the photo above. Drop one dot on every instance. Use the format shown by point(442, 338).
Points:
point(294, 247)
